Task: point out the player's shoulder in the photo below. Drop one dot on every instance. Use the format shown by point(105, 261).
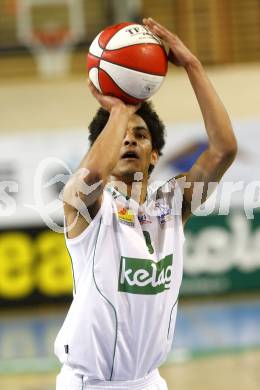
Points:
point(168, 190)
point(161, 186)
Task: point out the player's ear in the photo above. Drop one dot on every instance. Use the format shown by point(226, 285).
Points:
point(154, 157)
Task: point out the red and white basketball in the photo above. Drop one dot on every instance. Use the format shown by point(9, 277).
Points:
point(127, 61)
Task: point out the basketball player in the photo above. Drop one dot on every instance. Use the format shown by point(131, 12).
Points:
point(127, 258)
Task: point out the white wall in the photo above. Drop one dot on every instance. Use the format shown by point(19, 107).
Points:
point(34, 104)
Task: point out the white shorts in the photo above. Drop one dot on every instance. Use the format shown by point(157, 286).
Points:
point(68, 379)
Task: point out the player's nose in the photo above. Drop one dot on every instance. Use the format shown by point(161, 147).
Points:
point(129, 139)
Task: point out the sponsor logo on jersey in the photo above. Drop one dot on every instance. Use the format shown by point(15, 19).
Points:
point(126, 216)
point(142, 276)
point(143, 218)
point(164, 213)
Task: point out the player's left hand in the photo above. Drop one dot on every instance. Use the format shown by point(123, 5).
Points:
point(179, 54)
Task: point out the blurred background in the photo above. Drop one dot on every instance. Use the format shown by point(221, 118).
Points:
point(45, 108)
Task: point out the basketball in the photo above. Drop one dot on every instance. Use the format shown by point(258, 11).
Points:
point(127, 61)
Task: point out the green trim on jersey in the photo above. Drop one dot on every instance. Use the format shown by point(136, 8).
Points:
point(110, 303)
point(169, 326)
point(73, 274)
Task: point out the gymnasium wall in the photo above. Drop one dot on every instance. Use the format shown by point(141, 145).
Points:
point(65, 102)
point(218, 31)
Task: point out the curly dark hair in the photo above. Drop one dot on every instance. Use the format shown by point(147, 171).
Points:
point(146, 112)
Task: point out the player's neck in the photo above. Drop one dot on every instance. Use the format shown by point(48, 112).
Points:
point(137, 191)
point(132, 189)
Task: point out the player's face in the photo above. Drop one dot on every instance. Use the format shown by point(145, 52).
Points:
point(136, 154)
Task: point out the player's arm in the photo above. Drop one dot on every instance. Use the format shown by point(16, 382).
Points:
point(222, 146)
point(83, 193)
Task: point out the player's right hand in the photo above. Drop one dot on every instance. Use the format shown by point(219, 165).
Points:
point(109, 102)
point(179, 54)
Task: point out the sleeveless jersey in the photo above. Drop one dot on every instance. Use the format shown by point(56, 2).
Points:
point(127, 268)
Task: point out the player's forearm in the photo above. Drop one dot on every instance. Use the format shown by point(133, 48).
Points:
point(104, 153)
point(89, 180)
point(221, 137)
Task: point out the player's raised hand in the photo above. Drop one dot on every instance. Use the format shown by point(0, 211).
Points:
point(109, 102)
point(179, 54)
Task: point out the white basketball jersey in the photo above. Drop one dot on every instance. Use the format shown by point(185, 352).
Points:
point(127, 268)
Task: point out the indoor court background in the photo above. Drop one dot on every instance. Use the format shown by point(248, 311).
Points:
point(45, 108)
